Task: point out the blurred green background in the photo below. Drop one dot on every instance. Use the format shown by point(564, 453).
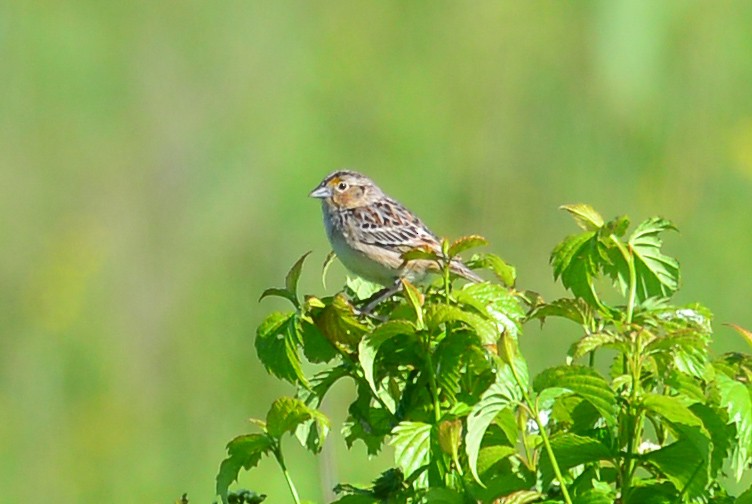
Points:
point(155, 159)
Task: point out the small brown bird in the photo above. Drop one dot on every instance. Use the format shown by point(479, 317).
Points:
point(369, 231)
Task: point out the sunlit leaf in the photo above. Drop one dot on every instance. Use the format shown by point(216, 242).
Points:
point(411, 442)
point(584, 382)
point(449, 359)
point(338, 323)
point(465, 243)
point(592, 342)
point(370, 344)
point(328, 260)
point(277, 343)
point(735, 397)
point(285, 414)
point(502, 394)
point(575, 260)
point(312, 432)
point(244, 452)
point(489, 456)
point(585, 216)
point(450, 437)
point(506, 273)
point(498, 302)
point(440, 314)
point(360, 288)
point(424, 253)
point(291, 280)
point(576, 310)
point(415, 298)
point(657, 273)
point(570, 451)
point(283, 293)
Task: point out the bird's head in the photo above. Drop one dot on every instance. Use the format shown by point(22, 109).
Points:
point(347, 189)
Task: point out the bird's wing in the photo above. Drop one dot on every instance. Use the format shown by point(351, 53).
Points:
point(388, 224)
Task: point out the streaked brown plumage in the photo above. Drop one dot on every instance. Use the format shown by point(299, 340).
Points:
point(369, 231)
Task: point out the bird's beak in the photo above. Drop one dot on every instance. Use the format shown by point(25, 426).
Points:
point(321, 192)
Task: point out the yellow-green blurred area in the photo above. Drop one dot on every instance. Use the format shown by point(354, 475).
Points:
point(155, 160)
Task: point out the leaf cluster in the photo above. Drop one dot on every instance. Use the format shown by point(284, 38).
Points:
point(639, 412)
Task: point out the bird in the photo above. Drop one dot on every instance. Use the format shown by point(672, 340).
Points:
point(370, 231)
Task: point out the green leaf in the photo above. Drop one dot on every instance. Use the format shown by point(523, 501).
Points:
point(592, 342)
point(584, 382)
point(277, 342)
point(585, 216)
point(291, 280)
point(502, 394)
point(490, 456)
point(367, 423)
point(437, 495)
point(316, 347)
point(362, 289)
point(652, 492)
point(506, 273)
point(437, 314)
point(285, 415)
point(466, 243)
point(415, 300)
point(683, 464)
point(671, 409)
point(323, 381)
point(451, 354)
point(657, 273)
point(420, 253)
point(594, 496)
point(570, 451)
point(411, 442)
point(735, 397)
point(498, 303)
point(357, 499)
point(312, 433)
point(450, 436)
point(337, 321)
point(721, 435)
point(370, 344)
point(244, 453)
point(575, 260)
point(576, 310)
point(325, 267)
point(745, 498)
point(283, 293)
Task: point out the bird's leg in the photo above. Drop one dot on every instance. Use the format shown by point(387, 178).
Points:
point(380, 296)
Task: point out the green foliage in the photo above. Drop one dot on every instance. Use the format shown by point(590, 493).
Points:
point(650, 416)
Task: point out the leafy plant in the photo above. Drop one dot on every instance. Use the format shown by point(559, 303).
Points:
point(639, 412)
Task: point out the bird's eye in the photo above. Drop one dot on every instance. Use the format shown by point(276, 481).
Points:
point(342, 186)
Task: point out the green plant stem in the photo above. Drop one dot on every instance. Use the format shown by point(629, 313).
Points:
point(628, 255)
point(544, 436)
point(634, 413)
point(281, 461)
point(432, 383)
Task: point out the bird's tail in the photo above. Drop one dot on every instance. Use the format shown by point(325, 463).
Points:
point(458, 268)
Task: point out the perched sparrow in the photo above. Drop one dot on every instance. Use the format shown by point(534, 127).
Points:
point(369, 231)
